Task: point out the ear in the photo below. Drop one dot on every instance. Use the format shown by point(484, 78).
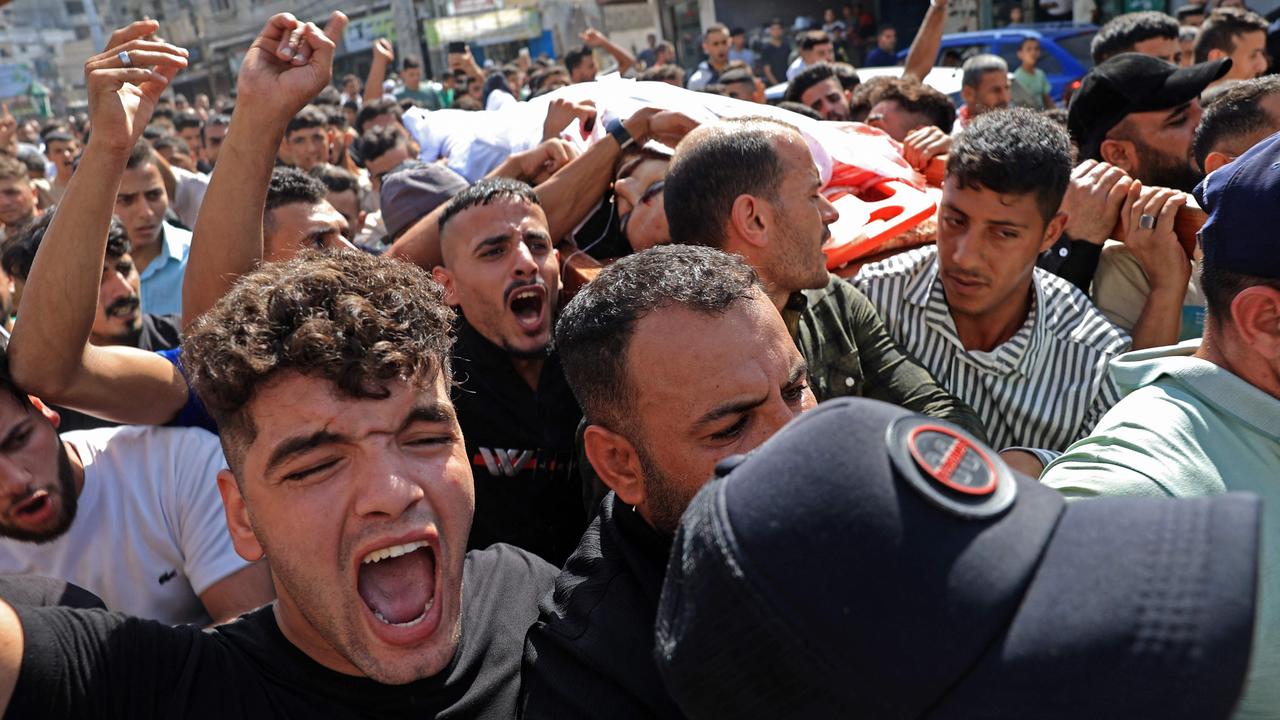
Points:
point(615, 460)
point(1255, 312)
point(1053, 231)
point(747, 221)
point(445, 278)
point(1217, 53)
point(49, 413)
point(237, 512)
point(1120, 153)
point(1215, 160)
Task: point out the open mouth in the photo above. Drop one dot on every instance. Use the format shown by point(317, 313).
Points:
point(33, 505)
point(398, 583)
point(125, 309)
point(526, 304)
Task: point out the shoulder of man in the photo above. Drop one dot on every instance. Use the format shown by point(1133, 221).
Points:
point(1072, 317)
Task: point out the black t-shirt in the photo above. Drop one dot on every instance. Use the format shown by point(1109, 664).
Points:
point(592, 647)
point(157, 332)
point(521, 445)
point(777, 57)
point(38, 591)
point(92, 663)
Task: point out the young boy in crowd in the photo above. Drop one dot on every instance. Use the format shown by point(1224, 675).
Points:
point(1030, 84)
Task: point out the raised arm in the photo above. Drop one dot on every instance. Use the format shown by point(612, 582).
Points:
point(924, 49)
point(383, 55)
point(286, 66)
point(49, 354)
point(568, 195)
point(596, 39)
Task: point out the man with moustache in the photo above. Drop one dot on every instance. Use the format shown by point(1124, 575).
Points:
point(502, 272)
point(750, 187)
point(653, 350)
point(118, 319)
point(347, 469)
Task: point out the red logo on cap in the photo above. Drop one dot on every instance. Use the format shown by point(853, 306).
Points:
point(952, 459)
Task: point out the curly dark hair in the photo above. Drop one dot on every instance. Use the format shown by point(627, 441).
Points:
point(1014, 152)
point(357, 320)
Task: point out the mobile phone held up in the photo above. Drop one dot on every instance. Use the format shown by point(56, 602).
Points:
point(457, 47)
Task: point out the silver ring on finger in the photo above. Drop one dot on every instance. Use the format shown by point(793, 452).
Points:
point(1146, 222)
point(124, 58)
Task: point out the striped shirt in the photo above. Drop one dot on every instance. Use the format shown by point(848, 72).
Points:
point(1045, 387)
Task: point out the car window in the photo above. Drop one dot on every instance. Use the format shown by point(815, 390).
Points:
point(1048, 63)
point(1077, 46)
point(955, 55)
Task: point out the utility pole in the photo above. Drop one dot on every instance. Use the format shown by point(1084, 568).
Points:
point(408, 36)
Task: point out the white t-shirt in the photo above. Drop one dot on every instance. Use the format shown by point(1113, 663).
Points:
point(149, 534)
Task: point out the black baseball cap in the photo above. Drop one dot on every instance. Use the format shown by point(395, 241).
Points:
point(1132, 83)
point(867, 562)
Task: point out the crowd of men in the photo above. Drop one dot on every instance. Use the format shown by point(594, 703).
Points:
point(336, 401)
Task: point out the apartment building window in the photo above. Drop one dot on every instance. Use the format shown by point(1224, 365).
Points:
point(221, 6)
point(75, 7)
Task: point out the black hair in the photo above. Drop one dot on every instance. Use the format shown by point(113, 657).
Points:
point(336, 179)
point(291, 185)
point(58, 136)
point(595, 329)
point(187, 120)
point(1220, 288)
point(737, 75)
point(1234, 114)
point(6, 379)
point(1122, 32)
point(219, 120)
point(1221, 28)
point(164, 111)
point(915, 97)
point(409, 63)
point(1014, 152)
point(329, 96)
point(171, 141)
point(371, 110)
point(486, 192)
point(813, 39)
point(713, 168)
point(334, 116)
point(576, 57)
point(810, 76)
point(154, 132)
point(847, 75)
point(307, 118)
point(716, 28)
point(142, 154)
point(377, 141)
point(20, 249)
point(799, 109)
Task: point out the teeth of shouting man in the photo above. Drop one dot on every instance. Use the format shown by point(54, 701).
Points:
point(392, 552)
point(412, 622)
point(526, 294)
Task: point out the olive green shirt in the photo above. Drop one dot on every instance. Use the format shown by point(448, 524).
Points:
point(850, 352)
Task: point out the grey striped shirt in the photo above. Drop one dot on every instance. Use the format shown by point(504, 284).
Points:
point(1045, 387)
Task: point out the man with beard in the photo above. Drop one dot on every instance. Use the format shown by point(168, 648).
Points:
point(118, 319)
point(131, 514)
point(750, 187)
point(818, 87)
point(653, 349)
point(984, 87)
point(1134, 119)
point(502, 272)
point(347, 470)
point(1024, 348)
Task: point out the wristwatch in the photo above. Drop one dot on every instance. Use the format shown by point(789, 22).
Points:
point(619, 133)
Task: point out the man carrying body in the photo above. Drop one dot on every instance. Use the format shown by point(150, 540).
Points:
point(1024, 348)
point(983, 87)
point(751, 187)
point(160, 250)
point(347, 469)
point(518, 415)
point(715, 43)
point(1203, 417)
point(636, 344)
point(1135, 117)
point(819, 88)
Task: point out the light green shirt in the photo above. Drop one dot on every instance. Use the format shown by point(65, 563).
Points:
point(1187, 427)
point(1031, 88)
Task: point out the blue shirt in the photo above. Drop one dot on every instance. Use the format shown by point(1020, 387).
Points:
point(879, 58)
point(162, 280)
